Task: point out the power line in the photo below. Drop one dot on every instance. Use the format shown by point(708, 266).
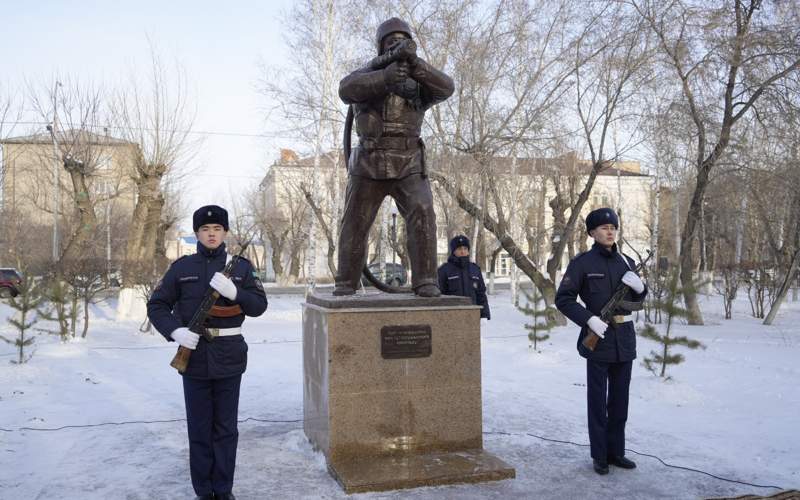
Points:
point(195, 132)
point(171, 346)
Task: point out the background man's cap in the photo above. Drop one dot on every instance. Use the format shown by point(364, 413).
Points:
point(210, 214)
point(459, 241)
point(601, 216)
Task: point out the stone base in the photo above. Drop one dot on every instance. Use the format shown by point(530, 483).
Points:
point(392, 472)
point(392, 390)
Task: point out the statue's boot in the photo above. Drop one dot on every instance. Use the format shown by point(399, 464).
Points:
point(427, 290)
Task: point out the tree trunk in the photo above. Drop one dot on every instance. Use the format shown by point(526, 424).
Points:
point(86, 304)
point(87, 220)
point(149, 204)
point(521, 260)
point(784, 289)
point(694, 315)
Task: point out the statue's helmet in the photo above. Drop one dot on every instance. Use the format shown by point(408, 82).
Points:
point(390, 26)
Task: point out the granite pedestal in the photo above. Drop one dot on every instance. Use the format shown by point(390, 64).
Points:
point(392, 390)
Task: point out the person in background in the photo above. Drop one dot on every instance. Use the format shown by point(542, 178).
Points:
point(459, 276)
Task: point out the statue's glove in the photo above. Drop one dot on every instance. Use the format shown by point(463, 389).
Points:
point(407, 51)
point(224, 286)
point(632, 280)
point(395, 73)
point(186, 338)
point(598, 326)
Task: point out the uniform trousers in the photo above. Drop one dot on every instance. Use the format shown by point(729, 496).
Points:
point(212, 411)
point(607, 387)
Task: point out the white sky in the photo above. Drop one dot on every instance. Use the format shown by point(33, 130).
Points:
point(218, 44)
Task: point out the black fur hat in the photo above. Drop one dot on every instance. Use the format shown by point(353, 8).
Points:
point(601, 216)
point(210, 214)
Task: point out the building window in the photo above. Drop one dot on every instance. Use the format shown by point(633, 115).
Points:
point(503, 264)
point(104, 162)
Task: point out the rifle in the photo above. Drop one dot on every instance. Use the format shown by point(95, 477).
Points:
point(402, 51)
point(197, 324)
point(591, 339)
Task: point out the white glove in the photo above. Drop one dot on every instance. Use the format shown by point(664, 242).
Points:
point(224, 286)
point(632, 280)
point(186, 338)
point(598, 326)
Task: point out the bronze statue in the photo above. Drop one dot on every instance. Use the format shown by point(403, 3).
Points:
point(388, 99)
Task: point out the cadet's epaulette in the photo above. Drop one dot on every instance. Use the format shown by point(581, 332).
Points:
point(577, 256)
point(179, 259)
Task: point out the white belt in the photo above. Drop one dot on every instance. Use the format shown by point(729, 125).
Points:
point(224, 332)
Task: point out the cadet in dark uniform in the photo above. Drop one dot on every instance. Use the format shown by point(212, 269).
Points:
point(389, 101)
point(459, 276)
point(212, 379)
point(594, 275)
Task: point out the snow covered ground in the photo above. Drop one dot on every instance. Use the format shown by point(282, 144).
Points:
point(731, 410)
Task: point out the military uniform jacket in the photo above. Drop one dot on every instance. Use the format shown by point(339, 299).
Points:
point(593, 276)
point(467, 281)
point(389, 119)
point(179, 294)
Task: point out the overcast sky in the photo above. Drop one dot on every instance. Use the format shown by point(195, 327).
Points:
point(219, 44)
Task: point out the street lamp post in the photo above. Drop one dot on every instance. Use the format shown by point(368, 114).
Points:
point(393, 209)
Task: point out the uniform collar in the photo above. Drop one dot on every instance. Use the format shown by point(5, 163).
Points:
point(597, 247)
point(207, 252)
point(458, 261)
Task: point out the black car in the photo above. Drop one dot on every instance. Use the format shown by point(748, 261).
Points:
point(395, 274)
point(9, 282)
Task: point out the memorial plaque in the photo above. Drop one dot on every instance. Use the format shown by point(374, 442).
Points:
point(405, 341)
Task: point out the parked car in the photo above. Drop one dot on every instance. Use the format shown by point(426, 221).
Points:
point(394, 275)
point(10, 281)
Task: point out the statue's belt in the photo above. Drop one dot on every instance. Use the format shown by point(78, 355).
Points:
point(400, 143)
point(226, 311)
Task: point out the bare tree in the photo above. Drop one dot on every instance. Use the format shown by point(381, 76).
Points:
point(723, 58)
point(75, 110)
point(305, 98)
point(494, 117)
point(10, 113)
point(155, 113)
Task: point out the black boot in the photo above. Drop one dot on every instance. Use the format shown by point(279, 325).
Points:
point(621, 462)
point(600, 467)
point(209, 496)
point(225, 496)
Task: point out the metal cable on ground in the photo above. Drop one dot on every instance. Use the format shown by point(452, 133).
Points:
point(129, 422)
point(500, 433)
point(690, 469)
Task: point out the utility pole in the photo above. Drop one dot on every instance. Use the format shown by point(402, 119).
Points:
point(107, 189)
point(56, 169)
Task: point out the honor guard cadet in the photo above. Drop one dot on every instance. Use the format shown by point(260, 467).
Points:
point(212, 378)
point(459, 276)
point(594, 275)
